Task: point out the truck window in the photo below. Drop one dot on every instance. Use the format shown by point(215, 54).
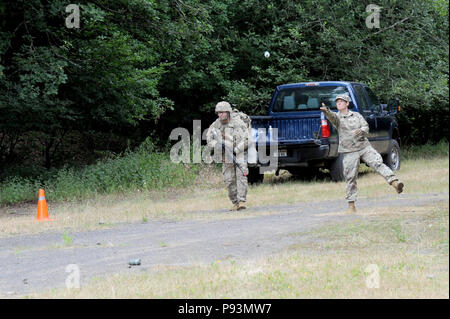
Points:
point(307, 98)
point(361, 99)
point(373, 100)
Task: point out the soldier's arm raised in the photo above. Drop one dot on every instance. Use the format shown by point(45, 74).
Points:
point(331, 116)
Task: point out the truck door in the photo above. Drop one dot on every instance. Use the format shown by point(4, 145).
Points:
point(366, 111)
point(381, 141)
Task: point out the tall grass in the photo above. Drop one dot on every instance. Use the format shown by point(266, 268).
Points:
point(18, 189)
point(425, 151)
point(142, 169)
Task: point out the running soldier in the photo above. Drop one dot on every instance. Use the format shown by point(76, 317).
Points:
point(354, 146)
point(230, 131)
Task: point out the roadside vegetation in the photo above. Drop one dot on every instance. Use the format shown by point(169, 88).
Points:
point(141, 170)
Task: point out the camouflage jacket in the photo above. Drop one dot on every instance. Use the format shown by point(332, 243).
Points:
point(234, 134)
point(347, 125)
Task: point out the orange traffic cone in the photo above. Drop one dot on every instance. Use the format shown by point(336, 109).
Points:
point(42, 210)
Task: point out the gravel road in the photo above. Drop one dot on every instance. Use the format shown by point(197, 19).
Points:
point(33, 263)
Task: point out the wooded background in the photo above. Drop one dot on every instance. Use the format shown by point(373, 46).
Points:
point(139, 68)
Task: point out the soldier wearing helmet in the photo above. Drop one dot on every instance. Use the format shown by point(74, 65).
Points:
point(355, 146)
point(232, 131)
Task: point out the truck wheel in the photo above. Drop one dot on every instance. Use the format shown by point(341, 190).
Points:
point(392, 159)
point(254, 177)
point(337, 169)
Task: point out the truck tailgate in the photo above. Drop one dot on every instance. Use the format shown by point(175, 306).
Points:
point(291, 129)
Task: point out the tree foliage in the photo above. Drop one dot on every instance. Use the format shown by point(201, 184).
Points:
point(143, 67)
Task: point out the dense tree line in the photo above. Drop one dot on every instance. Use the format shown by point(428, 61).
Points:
point(138, 68)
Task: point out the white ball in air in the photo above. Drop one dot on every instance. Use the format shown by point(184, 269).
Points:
point(266, 54)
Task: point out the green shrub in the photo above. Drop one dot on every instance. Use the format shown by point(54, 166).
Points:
point(17, 189)
point(143, 169)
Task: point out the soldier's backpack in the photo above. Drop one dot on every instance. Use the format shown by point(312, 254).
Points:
point(251, 145)
point(244, 117)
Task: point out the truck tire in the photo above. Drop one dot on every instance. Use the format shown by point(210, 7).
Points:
point(254, 177)
point(337, 169)
point(393, 158)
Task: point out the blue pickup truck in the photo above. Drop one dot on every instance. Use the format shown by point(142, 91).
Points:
point(307, 141)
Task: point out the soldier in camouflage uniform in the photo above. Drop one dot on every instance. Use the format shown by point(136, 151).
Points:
point(354, 146)
point(234, 134)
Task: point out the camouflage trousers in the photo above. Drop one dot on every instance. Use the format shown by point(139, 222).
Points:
point(351, 163)
point(235, 181)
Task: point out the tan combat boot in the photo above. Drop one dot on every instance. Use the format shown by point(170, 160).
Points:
point(398, 186)
point(235, 207)
point(351, 207)
point(241, 206)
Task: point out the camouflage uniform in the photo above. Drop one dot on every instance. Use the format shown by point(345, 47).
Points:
point(355, 148)
point(235, 136)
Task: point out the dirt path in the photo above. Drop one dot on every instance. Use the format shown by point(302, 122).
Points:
point(35, 262)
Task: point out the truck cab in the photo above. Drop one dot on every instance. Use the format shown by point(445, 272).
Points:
point(307, 141)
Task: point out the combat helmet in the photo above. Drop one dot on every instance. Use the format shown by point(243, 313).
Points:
point(344, 97)
point(223, 106)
